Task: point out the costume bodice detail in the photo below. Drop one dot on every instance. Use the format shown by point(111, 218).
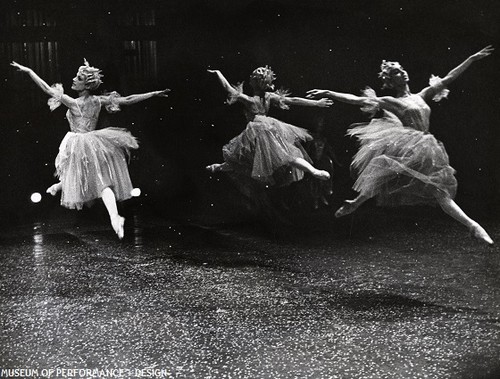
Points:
point(258, 106)
point(415, 113)
point(84, 118)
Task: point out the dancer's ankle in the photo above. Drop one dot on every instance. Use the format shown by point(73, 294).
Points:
point(347, 208)
point(321, 174)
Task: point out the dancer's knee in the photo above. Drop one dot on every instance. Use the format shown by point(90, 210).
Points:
point(443, 199)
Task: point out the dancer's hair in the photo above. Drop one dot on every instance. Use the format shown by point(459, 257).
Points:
point(263, 77)
point(387, 70)
point(91, 74)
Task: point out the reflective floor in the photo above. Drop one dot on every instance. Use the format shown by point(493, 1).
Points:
point(182, 300)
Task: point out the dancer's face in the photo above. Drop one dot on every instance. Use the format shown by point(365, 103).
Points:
point(78, 83)
point(399, 77)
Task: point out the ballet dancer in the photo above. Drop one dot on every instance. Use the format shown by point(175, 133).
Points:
point(267, 147)
point(399, 161)
point(91, 163)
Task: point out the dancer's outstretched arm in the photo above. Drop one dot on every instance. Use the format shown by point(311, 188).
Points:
point(428, 92)
point(222, 79)
point(388, 103)
point(339, 96)
point(322, 103)
point(65, 99)
point(233, 92)
point(457, 71)
point(133, 99)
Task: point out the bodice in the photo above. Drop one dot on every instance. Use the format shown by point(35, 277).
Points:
point(258, 106)
point(84, 119)
point(415, 113)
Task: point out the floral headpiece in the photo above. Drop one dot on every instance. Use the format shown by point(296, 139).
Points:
point(264, 76)
point(92, 75)
point(387, 68)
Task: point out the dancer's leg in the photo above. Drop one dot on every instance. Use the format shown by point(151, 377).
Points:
point(109, 199)
point(304, 165)
point(451, 208)
point(350, 206)
point(54, 188)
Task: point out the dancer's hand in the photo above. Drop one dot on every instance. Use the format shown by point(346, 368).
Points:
point(317, 93)
point(20, 67)
point(324, 103)
point(483, 53)
point(162, 93)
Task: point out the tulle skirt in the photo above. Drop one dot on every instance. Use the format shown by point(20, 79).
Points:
point(87, 163)
point(400, 165)
point(265, 149)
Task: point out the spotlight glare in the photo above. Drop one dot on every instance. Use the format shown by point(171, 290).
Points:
point(36, 197)
point(136, 192)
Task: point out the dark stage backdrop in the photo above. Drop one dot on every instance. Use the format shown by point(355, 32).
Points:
point(146, 45)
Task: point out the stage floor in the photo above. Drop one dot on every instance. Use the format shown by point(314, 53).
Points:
point(183, 300)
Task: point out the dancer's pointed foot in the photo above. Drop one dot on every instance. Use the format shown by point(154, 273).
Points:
point(348, 207)
point(54, 189)
point(214, 167)
point(479, 233)
point(117, 222)
point(321, 174)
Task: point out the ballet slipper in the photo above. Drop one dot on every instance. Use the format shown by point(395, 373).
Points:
point(117, 222)
point(214, 167)
point(321, 174)
point(478, 232)
point(348, 207)
point(54, 189)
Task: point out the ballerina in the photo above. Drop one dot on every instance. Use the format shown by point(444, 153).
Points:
point(399, 161)
point(267, 147)
point(91, 163)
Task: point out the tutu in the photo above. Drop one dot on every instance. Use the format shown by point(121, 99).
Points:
point(267, 146)
point(265, 149)
point(91, 160)
point(399, 162)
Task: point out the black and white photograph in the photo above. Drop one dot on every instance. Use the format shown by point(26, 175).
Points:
point(233, 189)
